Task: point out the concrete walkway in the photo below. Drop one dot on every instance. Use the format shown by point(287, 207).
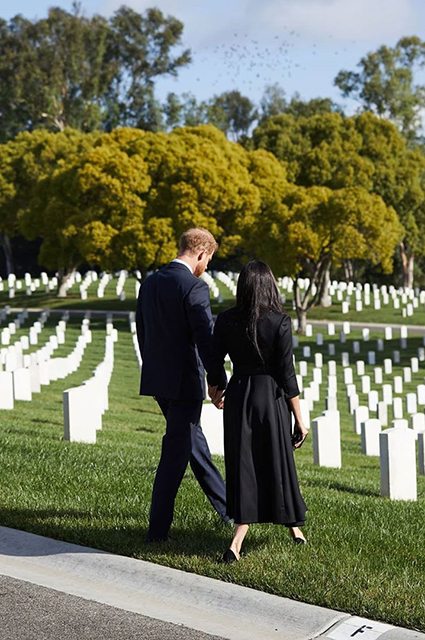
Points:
point(174, 597)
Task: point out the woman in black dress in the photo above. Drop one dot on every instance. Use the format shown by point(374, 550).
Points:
point(261, 479)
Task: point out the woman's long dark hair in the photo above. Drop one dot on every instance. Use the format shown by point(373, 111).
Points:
point(257, 294)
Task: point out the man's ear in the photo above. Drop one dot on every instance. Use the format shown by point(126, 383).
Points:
point(201, 256)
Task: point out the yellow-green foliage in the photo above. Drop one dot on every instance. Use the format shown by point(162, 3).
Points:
point(121, 200)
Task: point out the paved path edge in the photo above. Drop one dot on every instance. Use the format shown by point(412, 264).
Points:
point(204, 604)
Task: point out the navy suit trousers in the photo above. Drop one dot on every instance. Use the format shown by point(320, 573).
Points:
point(182, 443)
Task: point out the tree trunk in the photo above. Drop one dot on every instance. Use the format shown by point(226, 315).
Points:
point(302, 320)
point(348, 270)
point(301, 306)
point(324, 297)
point(63, 277)
point(7, 248)
point(408, 263)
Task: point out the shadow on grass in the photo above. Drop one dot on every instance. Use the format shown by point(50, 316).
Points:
point(29, 432)
point(338, 486)
point(41, 421)
point(78, 527)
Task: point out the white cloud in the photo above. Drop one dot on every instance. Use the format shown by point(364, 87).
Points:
point(338, 19)
point(215, 21)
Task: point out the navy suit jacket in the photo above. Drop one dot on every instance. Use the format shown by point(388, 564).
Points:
point(174, 331)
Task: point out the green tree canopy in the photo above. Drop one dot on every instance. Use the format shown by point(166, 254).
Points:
point(85, 73)
point(385, 84)
point(361, 151)
point(315, 226)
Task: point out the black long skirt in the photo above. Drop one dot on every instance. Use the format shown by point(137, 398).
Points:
point(261, 479)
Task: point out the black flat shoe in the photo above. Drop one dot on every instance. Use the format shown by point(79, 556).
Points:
point(300, 541)
point(229, 556)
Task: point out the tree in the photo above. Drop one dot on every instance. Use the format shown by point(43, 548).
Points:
point(399, 178)
point(140, 46)
point(319, 150)
point(386, 86)
point(23, 162)
point(90, 209)
point(233, 113)
point(273, 101)
point(86, 73)
point(361, 151)
point(307, 108)
point(123, 201)
point(314, 226)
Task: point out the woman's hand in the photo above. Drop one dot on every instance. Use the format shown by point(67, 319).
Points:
point(300, 434)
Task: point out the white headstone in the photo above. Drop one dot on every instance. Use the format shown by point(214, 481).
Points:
point(398, 384)
point(353, 402)
point(398, 464)
point(382, 413)
point(373, 400)
point(398, 408)
point(388, 366)
point(360, 367)
point(407, 374)
point(417, 422)
point(22, 384)
point(302, 365)
point(420, 390)
point(414, 365)
point(348, 376)
point(365, 380)
point(370, 430)
point(81, 416)
point(6, 390)
point(331, 403)
point(411, 403)
point(361, 414)
point(371, 357)
point(377, 373)
point(326, 442)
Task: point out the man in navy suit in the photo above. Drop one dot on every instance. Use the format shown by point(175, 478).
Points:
point(174, 330)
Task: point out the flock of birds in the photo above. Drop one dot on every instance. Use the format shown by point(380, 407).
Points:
point(246, 60)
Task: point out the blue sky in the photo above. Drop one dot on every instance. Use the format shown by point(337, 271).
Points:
point(247, 44)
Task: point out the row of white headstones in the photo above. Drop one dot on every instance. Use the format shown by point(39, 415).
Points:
point(25, 374)
point(21, 374)
point(84, 405)
point(50, 284)
point(407, 300)
point(395, 446)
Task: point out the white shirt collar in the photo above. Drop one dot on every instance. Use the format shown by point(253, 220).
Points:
point(185, 264)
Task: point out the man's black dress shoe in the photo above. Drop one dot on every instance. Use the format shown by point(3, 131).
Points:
point(229, 556)
point(167, 539)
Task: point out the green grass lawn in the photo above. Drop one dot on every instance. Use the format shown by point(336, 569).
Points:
point(365, 553)
point(111, 302)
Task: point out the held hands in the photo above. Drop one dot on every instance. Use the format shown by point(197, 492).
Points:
point(299, 435)
point(217, 396)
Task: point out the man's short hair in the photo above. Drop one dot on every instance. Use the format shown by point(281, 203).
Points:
point(196, 240)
